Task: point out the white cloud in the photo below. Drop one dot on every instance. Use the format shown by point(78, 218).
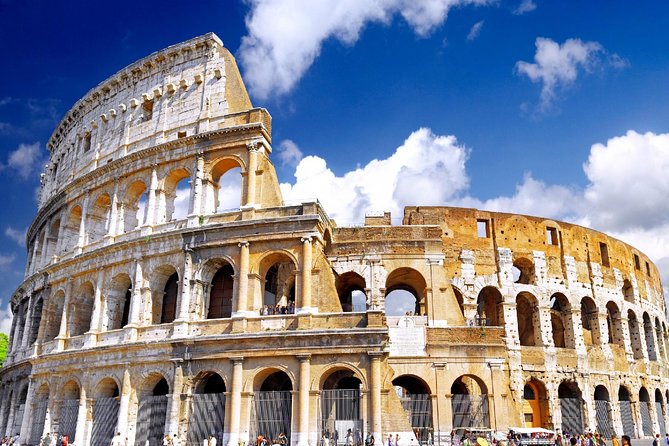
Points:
point(432, 164)
point(557, 66)
point(289, 153)
point(475, 31)
point(6, 317)
point(18, 235)
point(285, 36)
point(26, 160)
point(525, 6)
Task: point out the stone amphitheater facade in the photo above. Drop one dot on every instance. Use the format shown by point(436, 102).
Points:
point(141, 311)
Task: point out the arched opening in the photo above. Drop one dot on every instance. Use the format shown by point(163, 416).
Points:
point(220, 296)
point(529, 331)
point(279, 285)
point(489, 308)
point(133, 207)
point(603, 411)
point(405, 293)
point(650, 340)
point(644, 408)
point(71, 232)
point(207, 409)
point(54, 314)
point(460, 300)
point(69, 411)
point(226, 186)
point(351, 291)
point(659, 410)
point(168, 306)
point(80, 310)
point(571, 406)
point(273, 406)
point(97, 222)
point(341, 405)
point(416, 400)
point(152, 411)
point(635, 335)
point(40, 405)
point(589, 321)
point(105, 411)
point(35, 321)
point(175, 196)
point(625, 403)
point(628, 291)
point(561, 321)
point(117, 303)
point(523, 271)
point(469, 402)
point(660, 338)
point(614, 325)
point(535, 404)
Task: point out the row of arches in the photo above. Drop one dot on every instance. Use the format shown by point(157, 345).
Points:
point(138, 201)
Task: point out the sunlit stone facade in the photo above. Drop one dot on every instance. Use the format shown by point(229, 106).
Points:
point(145, 308)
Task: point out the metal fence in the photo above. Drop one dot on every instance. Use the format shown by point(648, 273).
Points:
point(151, 417)
point(39, 416)
point(627, 419)
point(272, 413)
point(207, 415)
point(470, 411)
point(572, 416)
point(603, 416)
point(105, 417)
point(419, 408)
point(340, 411)
point(646, 422)
point(69, 412)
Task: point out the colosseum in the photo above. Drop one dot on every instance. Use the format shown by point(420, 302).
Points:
point(169, 289)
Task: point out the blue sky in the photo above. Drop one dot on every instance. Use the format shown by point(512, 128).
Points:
point(557, 109)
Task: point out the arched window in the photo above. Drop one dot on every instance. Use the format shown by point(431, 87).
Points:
point(169, 306)
point(220, 296)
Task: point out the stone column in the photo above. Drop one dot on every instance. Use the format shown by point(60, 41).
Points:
point(241, 308)
point(124, 406)
point(375, 390)
point(305, 277)
point(113, 216)
point(232, 436)
point(174, 402)
point(302, 436)
point(196, 196)
point(254, 149)
point(82, 226)
point(82, 415)
point(150, 215)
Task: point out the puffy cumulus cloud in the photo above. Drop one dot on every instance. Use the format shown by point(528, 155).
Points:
point(289, 153)
point(629, 184)
point(525, 6)
point(557, 66)
point(285, 36)
point(25, 161)
point(475, 31)
point(18, 235)
point(432, 164)
point(6, 317)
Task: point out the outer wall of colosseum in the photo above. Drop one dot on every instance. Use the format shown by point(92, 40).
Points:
point(141, 311)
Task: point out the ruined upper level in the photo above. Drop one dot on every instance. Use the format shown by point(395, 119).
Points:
point(186, 89)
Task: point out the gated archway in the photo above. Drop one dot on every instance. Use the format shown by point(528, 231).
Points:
point(69, 410)
point(416, 400)
point(644, 408)
point(571, 406)
point(105, 411)
point(469, 402)
point(603, 411)
point(273, 406)
point(152, 412)
point(207, 410)
point(340, 406)
point(659, 410)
